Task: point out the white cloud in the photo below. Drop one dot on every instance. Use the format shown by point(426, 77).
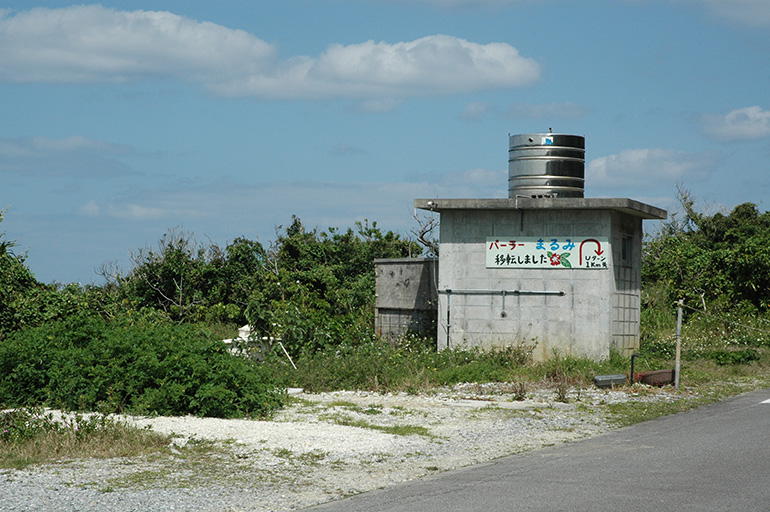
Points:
point(466, 183)
point(432, 65)
point(90, 43)
point(647, 169)
point(96, 44)
point(755, 13)
point(90, 209)
point(138, 212)
point(75, 156)
point(742, 124)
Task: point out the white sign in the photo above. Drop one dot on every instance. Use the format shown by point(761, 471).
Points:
point(548, 252)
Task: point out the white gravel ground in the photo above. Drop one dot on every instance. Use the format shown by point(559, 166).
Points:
point(322, 447)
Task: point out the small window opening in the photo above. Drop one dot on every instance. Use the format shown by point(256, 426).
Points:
point(626, 249)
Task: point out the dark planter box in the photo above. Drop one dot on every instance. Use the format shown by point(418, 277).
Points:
point(608, 381)
point(655, 377)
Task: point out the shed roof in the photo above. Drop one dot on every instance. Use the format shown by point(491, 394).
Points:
point(625, 205)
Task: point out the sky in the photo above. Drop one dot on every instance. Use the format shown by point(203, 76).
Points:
point(123, 120)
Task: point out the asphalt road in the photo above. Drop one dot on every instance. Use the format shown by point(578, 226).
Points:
point(710, 459)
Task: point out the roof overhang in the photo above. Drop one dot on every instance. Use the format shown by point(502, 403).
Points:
point(625, 205)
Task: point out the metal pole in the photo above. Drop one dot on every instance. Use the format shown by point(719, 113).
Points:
point(678, 343)
point(448, 323)
point(287, 355)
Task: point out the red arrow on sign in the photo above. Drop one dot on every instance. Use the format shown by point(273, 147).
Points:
point(598, 250)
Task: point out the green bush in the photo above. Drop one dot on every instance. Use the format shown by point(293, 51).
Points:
point(87, 363)
point(724, 357)
point(720, 261)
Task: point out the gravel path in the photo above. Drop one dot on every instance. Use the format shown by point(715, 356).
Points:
point(322, 447)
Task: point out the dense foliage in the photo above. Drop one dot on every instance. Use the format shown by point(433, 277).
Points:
point(719, 267)
point(87, 363)
point(311, 288)
point(138, 343)
point(712, 261)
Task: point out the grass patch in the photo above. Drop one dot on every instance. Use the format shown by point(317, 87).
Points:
point(33, 436)
point(350, 406)
point(628, 413)
point(200, 463)
point(398, 430)
point(383, 366)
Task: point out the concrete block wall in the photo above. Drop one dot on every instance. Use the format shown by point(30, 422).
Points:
point(405, 296)
point(599, 309)
point(626, 301)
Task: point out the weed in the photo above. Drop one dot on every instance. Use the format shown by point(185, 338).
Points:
point(400, 411)
point(312, 457)
point(283, 453)
point(344, 403)
point(399, 430)
point(519, 390)
point(33, 436)
point(562, 388)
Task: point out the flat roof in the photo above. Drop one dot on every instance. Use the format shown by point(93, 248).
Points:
point(625, 205)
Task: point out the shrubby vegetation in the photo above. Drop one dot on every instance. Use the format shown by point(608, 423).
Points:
point(87, 363)
point(413, 366)
point(719, 267)
point(148, 340)
point(715, 262)
point(313, 289)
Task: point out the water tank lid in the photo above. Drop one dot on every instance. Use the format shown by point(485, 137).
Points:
point(547, 139)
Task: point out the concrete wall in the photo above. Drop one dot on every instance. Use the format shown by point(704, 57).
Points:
point(406, 296)
point(599, 308)
point(627, 268)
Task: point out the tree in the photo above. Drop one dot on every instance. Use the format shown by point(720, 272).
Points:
point(426, 225)
point(320, 290)
point(17, 284)
point(722, 260)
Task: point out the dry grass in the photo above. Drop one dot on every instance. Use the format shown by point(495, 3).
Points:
point(32, 436)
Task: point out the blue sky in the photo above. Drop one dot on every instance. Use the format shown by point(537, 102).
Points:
point(122, 120)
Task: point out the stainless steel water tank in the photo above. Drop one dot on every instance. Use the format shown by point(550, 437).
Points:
point(546, 165)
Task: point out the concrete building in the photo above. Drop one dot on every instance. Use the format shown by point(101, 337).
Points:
point(560, 273)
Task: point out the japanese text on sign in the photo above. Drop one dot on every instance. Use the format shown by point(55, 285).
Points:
point(548, 252)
